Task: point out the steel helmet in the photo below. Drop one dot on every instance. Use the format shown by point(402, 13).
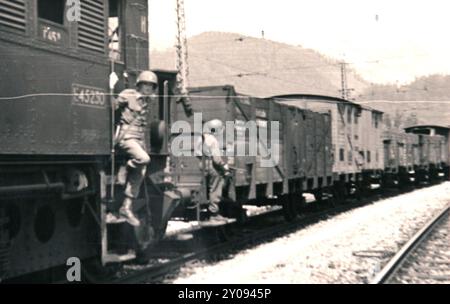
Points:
point(214, 126)
point(147, 76)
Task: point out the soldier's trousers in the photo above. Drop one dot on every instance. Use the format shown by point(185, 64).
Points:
point(215, 185)
point(137, 165)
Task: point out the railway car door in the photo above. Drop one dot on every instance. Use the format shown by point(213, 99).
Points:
point(387, 153)
point(416, 153)
point(293, 151)
point(402, 158)
point(327, 139)
point(310, 145)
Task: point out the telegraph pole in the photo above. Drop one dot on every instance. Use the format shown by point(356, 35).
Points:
point(182, 61)
point(345, 90)
point(182, 50)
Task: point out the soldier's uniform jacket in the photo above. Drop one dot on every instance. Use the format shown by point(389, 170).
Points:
point(134, 114)
point(210, 147)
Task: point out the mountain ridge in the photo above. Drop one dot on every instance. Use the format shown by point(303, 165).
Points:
point(257, 66)
point(263, 68)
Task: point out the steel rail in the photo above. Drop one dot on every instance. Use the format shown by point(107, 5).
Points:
point(391, 268)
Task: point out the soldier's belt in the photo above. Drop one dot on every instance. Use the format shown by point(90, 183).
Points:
point(128, 128)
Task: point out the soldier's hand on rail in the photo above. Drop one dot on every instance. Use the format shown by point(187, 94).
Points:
point(113, 79)
point(227, 172)
point(187, 105)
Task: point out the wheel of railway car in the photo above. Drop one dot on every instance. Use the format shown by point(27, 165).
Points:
point(299, 203)
point(290, 207)
point(338, 195)
point(213, 235)
point(143, 256)
point(361, 192)
point(344, 192)
point(13, 220)
point(224, 233)
point(44, 223)
point(232, 209)
point(357, 191)
point(242, 216)
point(332, 200)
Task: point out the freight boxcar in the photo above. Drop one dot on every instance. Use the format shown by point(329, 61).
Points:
point(301, 155)
point(434, 149)
point(401, 158)
point(356, 139)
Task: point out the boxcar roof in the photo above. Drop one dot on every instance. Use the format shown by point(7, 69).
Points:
point(330, 99)
point(310, 96)
point(428, 126)
point(208, 88)
point(165, 71)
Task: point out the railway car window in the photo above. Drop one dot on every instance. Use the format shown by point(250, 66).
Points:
point(368, 156)
point(349, 115)
point(52, 10)
point(114, 30)
point(333, 150)
point(375, 120)
point(350, 157)
point(341, 155)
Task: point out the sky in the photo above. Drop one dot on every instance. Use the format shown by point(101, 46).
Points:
point(385, 41)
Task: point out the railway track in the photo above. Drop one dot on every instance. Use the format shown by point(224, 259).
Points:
point(252, 233)
point(218, 242)
point(425, 258)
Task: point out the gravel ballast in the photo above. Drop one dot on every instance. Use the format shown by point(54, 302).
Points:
point(348, 248)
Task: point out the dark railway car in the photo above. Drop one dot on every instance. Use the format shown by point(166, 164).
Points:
point(434, 142)
point(304, 162)
point(401, 158)
point(430, 147)
point(57, 128)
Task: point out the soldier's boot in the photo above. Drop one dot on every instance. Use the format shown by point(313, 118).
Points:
point(213, 208)
point(127, 213)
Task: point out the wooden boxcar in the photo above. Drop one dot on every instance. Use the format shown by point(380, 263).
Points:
point(434, 147)
point(301, 154)
point(401, 158)
point(356, 137)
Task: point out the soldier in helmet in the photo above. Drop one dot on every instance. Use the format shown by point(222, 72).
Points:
point(216, 169)
point(133, 106)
